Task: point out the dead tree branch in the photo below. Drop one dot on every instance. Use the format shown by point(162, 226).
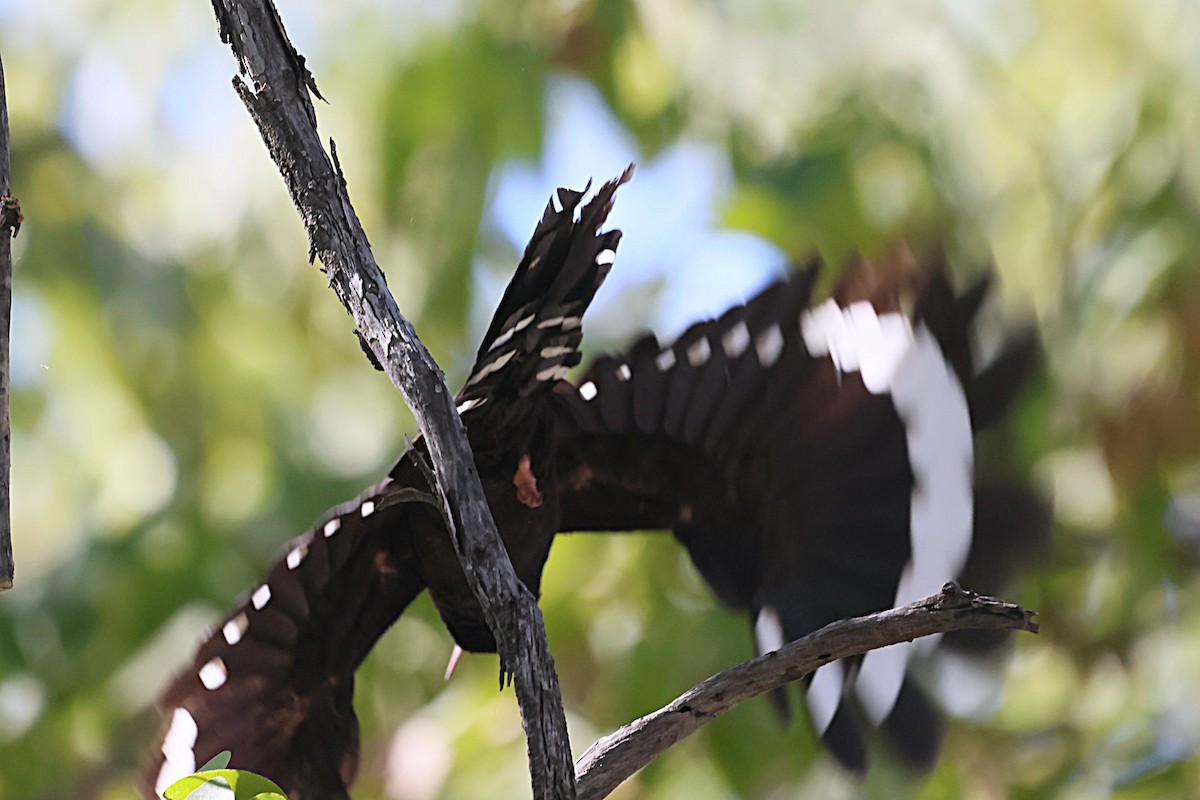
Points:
point(611, 760)
point(274, 85)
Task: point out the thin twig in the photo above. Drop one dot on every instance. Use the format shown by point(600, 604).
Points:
point(274, 85)
point(612, 759)
point(10, 223)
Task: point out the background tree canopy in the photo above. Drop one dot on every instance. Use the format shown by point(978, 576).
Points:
point(188, 394)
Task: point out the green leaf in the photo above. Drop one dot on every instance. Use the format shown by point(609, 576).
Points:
point(219, 761)
point(244, 785)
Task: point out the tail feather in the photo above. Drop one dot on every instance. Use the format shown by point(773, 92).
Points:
point(915, 728)
point(996, 387)
point(534, 336)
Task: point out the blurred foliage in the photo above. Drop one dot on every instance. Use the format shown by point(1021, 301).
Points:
point(187, 394)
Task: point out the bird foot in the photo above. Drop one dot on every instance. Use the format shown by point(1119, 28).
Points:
point(526, 483)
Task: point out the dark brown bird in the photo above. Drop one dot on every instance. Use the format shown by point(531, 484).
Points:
point(817, 462)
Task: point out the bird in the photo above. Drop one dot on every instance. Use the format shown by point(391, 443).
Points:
point(816, 461)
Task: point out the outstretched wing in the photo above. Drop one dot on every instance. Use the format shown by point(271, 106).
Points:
point(274, 682)
point(817, 462)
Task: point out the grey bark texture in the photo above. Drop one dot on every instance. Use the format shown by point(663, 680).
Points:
point(275, 85)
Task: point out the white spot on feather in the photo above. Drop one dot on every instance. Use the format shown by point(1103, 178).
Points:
point(554, 373)
point(213, 674)
point(549, 323)
point(552, 352)
point(769, 345)
point(520, 325)
point(296, 557)
point(571, 323)
point(261, 596)
point(492, 366)
point(235, 629)
point(467, 405)
point(698, 352)
point(588, 391)
point(606, 256)
point(665, 360)
point(367, 508)
point(501, 339)
point(736, 340)
point(332, 526)
point(624, 373)
point(178, 749)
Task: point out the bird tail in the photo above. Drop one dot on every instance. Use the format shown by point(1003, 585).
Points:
point(534, 336)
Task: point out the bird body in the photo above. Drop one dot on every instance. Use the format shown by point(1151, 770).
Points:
point(816, 462)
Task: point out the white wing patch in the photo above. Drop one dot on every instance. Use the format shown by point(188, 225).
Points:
point(937, 423)
point(857, 339)
point(665, 360)
point(178, 749)
point(698, 352)
point(768, 630)
point(909, 365)
point(588, 391)
point(824, 694)
point(879, 679)
point(332, 526)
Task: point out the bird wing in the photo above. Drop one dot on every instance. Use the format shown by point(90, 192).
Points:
point(274, 682)
point(816, 461)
